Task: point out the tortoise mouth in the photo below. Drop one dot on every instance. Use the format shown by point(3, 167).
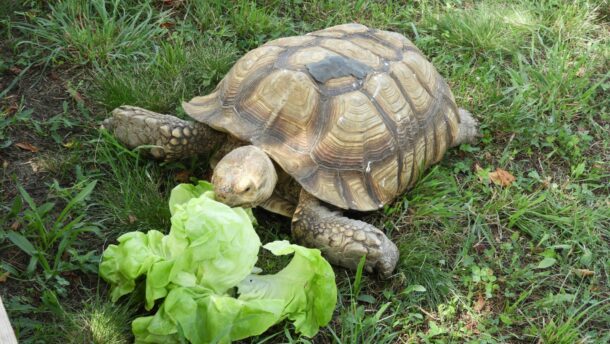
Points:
point(246, 205)
point(240, 205)
point(234, 202)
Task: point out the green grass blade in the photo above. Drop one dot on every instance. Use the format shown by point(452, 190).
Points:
point(358, 278)
point(22, 242)
point(80, 197)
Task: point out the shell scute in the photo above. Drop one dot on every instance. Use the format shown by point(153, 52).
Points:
point(256, 62)
point(353, 51)
point(356, 135)
point(308, 55)
point(284, 104)
point(378, 48)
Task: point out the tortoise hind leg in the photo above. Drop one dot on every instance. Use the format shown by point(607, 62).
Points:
point(172, 137)
point(343, 241)
point(468, 131)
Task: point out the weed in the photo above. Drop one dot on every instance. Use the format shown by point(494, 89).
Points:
point(256, 25)
point(9, 121)
point(47, 238)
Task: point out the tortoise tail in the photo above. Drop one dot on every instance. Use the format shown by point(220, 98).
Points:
point(468, 131)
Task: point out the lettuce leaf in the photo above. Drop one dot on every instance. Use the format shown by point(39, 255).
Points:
point(183, 193)
point(134, 256)
point(307, 284)
point(205, 317)
point(214, 243)
point(211, 249)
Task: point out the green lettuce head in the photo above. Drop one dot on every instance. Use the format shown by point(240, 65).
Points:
point(196, 269)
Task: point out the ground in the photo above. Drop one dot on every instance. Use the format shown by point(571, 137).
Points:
point(504, 241)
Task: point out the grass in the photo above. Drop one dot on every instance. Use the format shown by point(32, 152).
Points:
point(480, 263)
point(100, 321)
point(176, 73)
point(101, 32)
point(131, 197)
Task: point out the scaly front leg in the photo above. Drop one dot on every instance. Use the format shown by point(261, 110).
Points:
point(172, 137)
point(343, 241)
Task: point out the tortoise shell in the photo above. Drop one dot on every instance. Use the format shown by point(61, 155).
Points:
point(353, 114)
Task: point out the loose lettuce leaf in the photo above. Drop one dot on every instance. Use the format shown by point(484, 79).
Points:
point(134, 256)
point(304, 292)
point(306, 284)
point(205, 317)
point(210, 249)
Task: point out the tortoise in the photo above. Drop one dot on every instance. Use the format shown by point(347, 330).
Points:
point(344, 118)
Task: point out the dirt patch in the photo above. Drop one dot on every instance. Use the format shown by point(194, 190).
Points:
point(40, 95)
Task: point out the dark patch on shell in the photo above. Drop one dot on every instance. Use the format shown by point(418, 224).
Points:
point(337, 67)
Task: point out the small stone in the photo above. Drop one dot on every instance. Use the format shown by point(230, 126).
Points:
point(176, 133)
point(174, 141)
point(164, 129)
point(184, 141)
point(348, 232)
point(186, 132)
point(195, 131)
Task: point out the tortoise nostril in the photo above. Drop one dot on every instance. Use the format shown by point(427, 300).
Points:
point(244, 187)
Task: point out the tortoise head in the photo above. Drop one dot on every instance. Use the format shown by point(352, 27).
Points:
point(245, 177)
